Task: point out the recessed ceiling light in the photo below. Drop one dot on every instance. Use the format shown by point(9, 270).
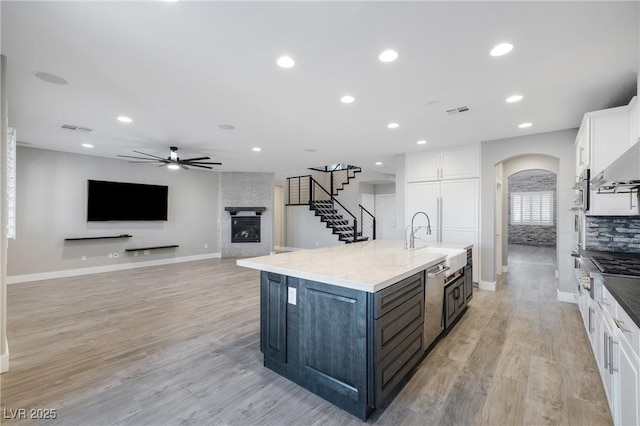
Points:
point(421, 142)
point(514, 98)
point(173, 166)
point(501, 49)
point(309, 150)
point(124, 119)
point(347, 99)
point(256, 149)
point(285, 62)
point(50, 78)
point(524, 125)
point(226, 126)
point(378, 163)
point(87, 145)
point(393, 125)
point(388, 56)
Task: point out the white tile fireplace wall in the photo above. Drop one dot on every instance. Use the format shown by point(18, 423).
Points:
point(246, 190)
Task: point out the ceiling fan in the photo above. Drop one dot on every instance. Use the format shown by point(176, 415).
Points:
point(173, 161)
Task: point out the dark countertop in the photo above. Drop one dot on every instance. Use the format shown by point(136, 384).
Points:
point(626, 291)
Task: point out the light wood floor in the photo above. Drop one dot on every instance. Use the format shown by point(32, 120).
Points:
point(179, 344)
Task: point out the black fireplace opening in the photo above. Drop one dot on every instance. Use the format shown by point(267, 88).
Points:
point(245, 229)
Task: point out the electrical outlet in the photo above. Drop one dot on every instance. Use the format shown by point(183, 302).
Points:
point(84, 258)
point(110, 255)
point(146, 252)
point(135, 254)
point(115, 254)
point(317, 243)
point(206, 246)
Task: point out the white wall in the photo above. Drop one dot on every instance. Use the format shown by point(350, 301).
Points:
point(4, 348)
point(51, 206)
point(558, 144)
point(305, 231)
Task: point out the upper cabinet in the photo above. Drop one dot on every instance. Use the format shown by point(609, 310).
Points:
point(429, 166)
point(634, 121)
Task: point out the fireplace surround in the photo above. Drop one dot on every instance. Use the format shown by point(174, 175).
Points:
point(245, 229)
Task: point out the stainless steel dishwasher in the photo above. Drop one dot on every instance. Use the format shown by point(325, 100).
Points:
point(434, 303)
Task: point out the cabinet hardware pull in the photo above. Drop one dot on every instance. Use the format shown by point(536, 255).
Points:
point(591, 311)
point(441, 271)
point(621, 326)
point(604, 301)
point(605, 348)
point(611, 343)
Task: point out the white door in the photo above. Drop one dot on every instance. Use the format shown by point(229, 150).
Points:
point(278, 217)
point(423, 197)
point(459, 209)
point(386, 217)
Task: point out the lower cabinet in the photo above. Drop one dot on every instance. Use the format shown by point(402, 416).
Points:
point(454, 300)
point(350, 347)
point(618, 362)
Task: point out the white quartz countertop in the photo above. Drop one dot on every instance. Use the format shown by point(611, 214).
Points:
point(369, 266)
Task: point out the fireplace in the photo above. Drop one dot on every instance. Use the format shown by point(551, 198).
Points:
point(245, 229)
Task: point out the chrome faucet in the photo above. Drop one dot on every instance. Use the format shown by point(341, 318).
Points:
point(412, 235)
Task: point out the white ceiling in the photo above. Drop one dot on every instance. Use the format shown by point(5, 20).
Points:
point(181, 69)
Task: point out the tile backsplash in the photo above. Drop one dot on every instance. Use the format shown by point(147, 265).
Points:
point(613, 233)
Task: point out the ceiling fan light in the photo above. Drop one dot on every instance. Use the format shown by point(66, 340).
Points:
point(173, 167)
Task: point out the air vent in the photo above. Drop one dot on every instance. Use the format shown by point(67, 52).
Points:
point(75, 128)
point(458, 110)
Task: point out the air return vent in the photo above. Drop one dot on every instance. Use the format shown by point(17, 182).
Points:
point(458, 110)
point(75, 128)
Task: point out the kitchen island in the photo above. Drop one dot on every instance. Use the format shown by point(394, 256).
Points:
point(346, 322)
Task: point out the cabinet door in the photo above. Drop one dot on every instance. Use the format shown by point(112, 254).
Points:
point(333, 343)
point(273, 316)
point(423, 167)
point(460, 164)
point(634, 121)
point(582, 146)
point(459, 211)
point(468, 283)
point(605, 371)
point(450, 304)
point(424, 196)
point(627, 394)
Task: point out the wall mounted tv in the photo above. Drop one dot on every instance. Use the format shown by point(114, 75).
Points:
point(126, 201)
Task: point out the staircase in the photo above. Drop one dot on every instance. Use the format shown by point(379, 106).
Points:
point(341, 174)
point(336, 222)
point(305, 190)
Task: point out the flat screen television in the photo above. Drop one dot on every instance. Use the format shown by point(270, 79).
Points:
point(126, 201)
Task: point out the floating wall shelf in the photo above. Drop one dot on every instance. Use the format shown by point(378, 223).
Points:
point(99, 238)
point(151, 248)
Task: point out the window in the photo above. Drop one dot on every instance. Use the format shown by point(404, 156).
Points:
point(532, 208)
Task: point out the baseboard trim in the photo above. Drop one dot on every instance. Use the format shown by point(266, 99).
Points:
point(567, 297)
point(505, 268)
point(4, 360)
point(16, 279)
point(487, 285)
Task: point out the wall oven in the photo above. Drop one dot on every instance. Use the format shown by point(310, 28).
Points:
point(582, 188)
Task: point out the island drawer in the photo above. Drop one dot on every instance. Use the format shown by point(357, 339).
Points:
point(393, 296)
point(394, 327)
point(395, 366)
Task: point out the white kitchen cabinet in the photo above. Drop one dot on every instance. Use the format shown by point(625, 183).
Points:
point(603, 136)
point(452, 207)
point(634, 121)
point(429, 166)
point(626, 365)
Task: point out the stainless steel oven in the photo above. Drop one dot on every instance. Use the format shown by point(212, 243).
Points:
point(582, 188)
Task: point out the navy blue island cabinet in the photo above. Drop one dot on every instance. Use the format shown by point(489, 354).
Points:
point(351, 347)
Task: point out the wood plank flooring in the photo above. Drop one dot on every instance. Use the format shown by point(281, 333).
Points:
point(179, 344)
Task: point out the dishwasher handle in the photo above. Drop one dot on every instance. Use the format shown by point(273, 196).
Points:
point(440, 272)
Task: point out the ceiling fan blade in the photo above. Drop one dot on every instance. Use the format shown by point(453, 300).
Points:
point(143, 162)
point(137, 158)
point(201, 163)
point(144, 153)
point(184, 167)
point(162, 165)
point(197, 165)
point(195, 159)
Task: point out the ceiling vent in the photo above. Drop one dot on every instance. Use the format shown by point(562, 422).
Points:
point(458, 110)
point(75, 128)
